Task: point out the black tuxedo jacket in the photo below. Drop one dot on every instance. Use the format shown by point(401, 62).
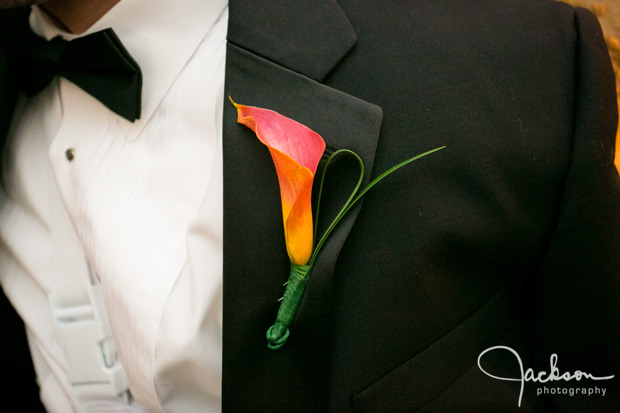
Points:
point(510, 236)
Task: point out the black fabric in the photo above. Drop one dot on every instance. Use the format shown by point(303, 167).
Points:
point(8, 98)
point(18, 387)
point(98, 63)
point(509, 236)
point(254, 253)
point(254, 27)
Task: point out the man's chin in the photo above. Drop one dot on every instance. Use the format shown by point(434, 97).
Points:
point(11, 4)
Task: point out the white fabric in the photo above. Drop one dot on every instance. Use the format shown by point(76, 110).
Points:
point(141, 202)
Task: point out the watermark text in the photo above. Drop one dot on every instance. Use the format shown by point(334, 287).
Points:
point(554, 374)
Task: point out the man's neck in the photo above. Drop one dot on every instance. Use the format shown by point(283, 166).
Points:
point(76, 16)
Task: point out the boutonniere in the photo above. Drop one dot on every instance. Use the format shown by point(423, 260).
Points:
point(296, 150)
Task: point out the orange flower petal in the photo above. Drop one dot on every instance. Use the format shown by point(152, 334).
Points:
point(296, 151)
point(295, 191)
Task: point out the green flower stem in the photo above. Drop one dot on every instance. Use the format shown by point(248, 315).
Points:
point(278, 333)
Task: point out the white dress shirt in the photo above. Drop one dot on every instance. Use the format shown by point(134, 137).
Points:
point(133, 211)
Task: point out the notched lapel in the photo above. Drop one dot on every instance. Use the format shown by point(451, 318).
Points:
point(255, 260)
point(307, 36)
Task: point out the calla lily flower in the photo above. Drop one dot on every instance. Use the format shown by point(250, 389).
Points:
point(296, 151)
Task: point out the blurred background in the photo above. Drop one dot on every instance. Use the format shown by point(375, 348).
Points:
point(608, 13)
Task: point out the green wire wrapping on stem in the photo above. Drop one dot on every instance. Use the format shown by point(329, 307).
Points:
point(278, 333)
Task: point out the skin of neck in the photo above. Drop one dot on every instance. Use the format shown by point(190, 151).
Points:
point(76, 16)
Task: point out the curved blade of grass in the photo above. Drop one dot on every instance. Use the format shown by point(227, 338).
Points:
point(354, 198)
point(359, 183)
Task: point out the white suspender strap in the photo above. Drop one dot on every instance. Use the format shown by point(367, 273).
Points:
point(93, 370)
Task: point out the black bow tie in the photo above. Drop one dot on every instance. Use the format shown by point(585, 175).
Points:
point(97, 63)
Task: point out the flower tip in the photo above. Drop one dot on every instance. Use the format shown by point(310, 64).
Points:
point(245, 120)
point(233, 102)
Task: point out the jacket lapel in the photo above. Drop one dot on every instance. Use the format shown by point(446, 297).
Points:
point(266, 68)
point(308, 37)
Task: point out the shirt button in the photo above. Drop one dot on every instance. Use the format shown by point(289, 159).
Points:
point(70, 154)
